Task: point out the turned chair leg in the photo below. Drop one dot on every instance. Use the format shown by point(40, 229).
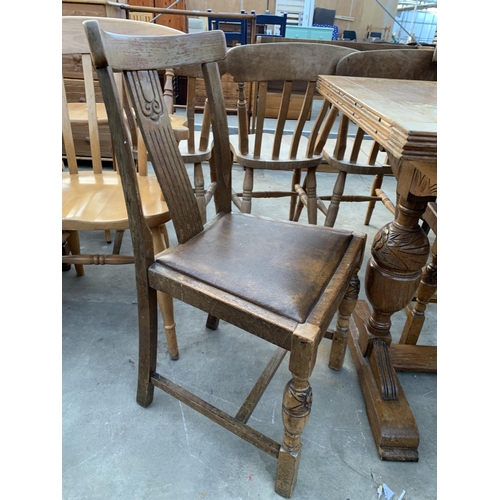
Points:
point(74, 248)
point(376, 184)
point(297, 401)
point(294, 200)
point(339, 338)
point(425, 291)
point(246, 200)
point(117, 245)
point(338, 191)
point(312, 200)
point(165, 301)
point(199, 191)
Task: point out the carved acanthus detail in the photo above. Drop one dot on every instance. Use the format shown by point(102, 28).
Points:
point(423, 185)
point(400, 249)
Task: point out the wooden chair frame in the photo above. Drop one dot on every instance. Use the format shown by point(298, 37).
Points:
point(182, 270)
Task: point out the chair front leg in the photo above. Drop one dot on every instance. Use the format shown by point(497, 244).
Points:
point(338, 191)
point(297, 401)
point(339, 338)
point(312, 200)
point(246, 202)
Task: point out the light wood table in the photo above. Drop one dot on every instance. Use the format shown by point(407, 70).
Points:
point(400, 115)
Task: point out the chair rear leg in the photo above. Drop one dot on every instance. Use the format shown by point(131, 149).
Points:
point(165, 302)
point(377, 184)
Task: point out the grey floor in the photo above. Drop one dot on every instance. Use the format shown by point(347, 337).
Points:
point(114, 449)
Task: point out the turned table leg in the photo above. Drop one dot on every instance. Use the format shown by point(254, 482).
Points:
point(399, 252)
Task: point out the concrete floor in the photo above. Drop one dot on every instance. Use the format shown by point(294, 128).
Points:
point(115, 449)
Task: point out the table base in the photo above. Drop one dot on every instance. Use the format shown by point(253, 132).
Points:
point(392, 422)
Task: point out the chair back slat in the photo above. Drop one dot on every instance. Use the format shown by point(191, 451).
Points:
point(286, 96)
point(95, 145)
point(303, 117)
point(140, 58)
point(67, 133)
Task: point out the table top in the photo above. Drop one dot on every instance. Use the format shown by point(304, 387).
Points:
point(401, 115)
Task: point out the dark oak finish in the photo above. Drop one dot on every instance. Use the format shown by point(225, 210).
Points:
point(278, 280)
point(401, 114)
point(254, 68)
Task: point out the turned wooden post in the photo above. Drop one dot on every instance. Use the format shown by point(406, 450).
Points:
point(339, 338)
point(297, 401)
point(399, 252)
point(426, 290)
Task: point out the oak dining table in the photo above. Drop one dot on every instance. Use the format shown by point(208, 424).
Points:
point(401, 115)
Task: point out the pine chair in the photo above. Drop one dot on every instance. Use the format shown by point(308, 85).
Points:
point(278, 280)
point(92, 198)
point(364, 155)
point(255, 68)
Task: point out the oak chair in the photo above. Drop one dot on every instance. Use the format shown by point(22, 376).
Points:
point(278, 280)
point(360, 155)
point(92, 198)
point(256, 68)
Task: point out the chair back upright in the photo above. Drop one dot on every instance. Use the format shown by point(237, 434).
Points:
point(113, 52)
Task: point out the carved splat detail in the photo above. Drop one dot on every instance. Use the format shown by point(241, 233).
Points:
point(150, 94)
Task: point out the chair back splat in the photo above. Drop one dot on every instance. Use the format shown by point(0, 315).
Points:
point(281, 281)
